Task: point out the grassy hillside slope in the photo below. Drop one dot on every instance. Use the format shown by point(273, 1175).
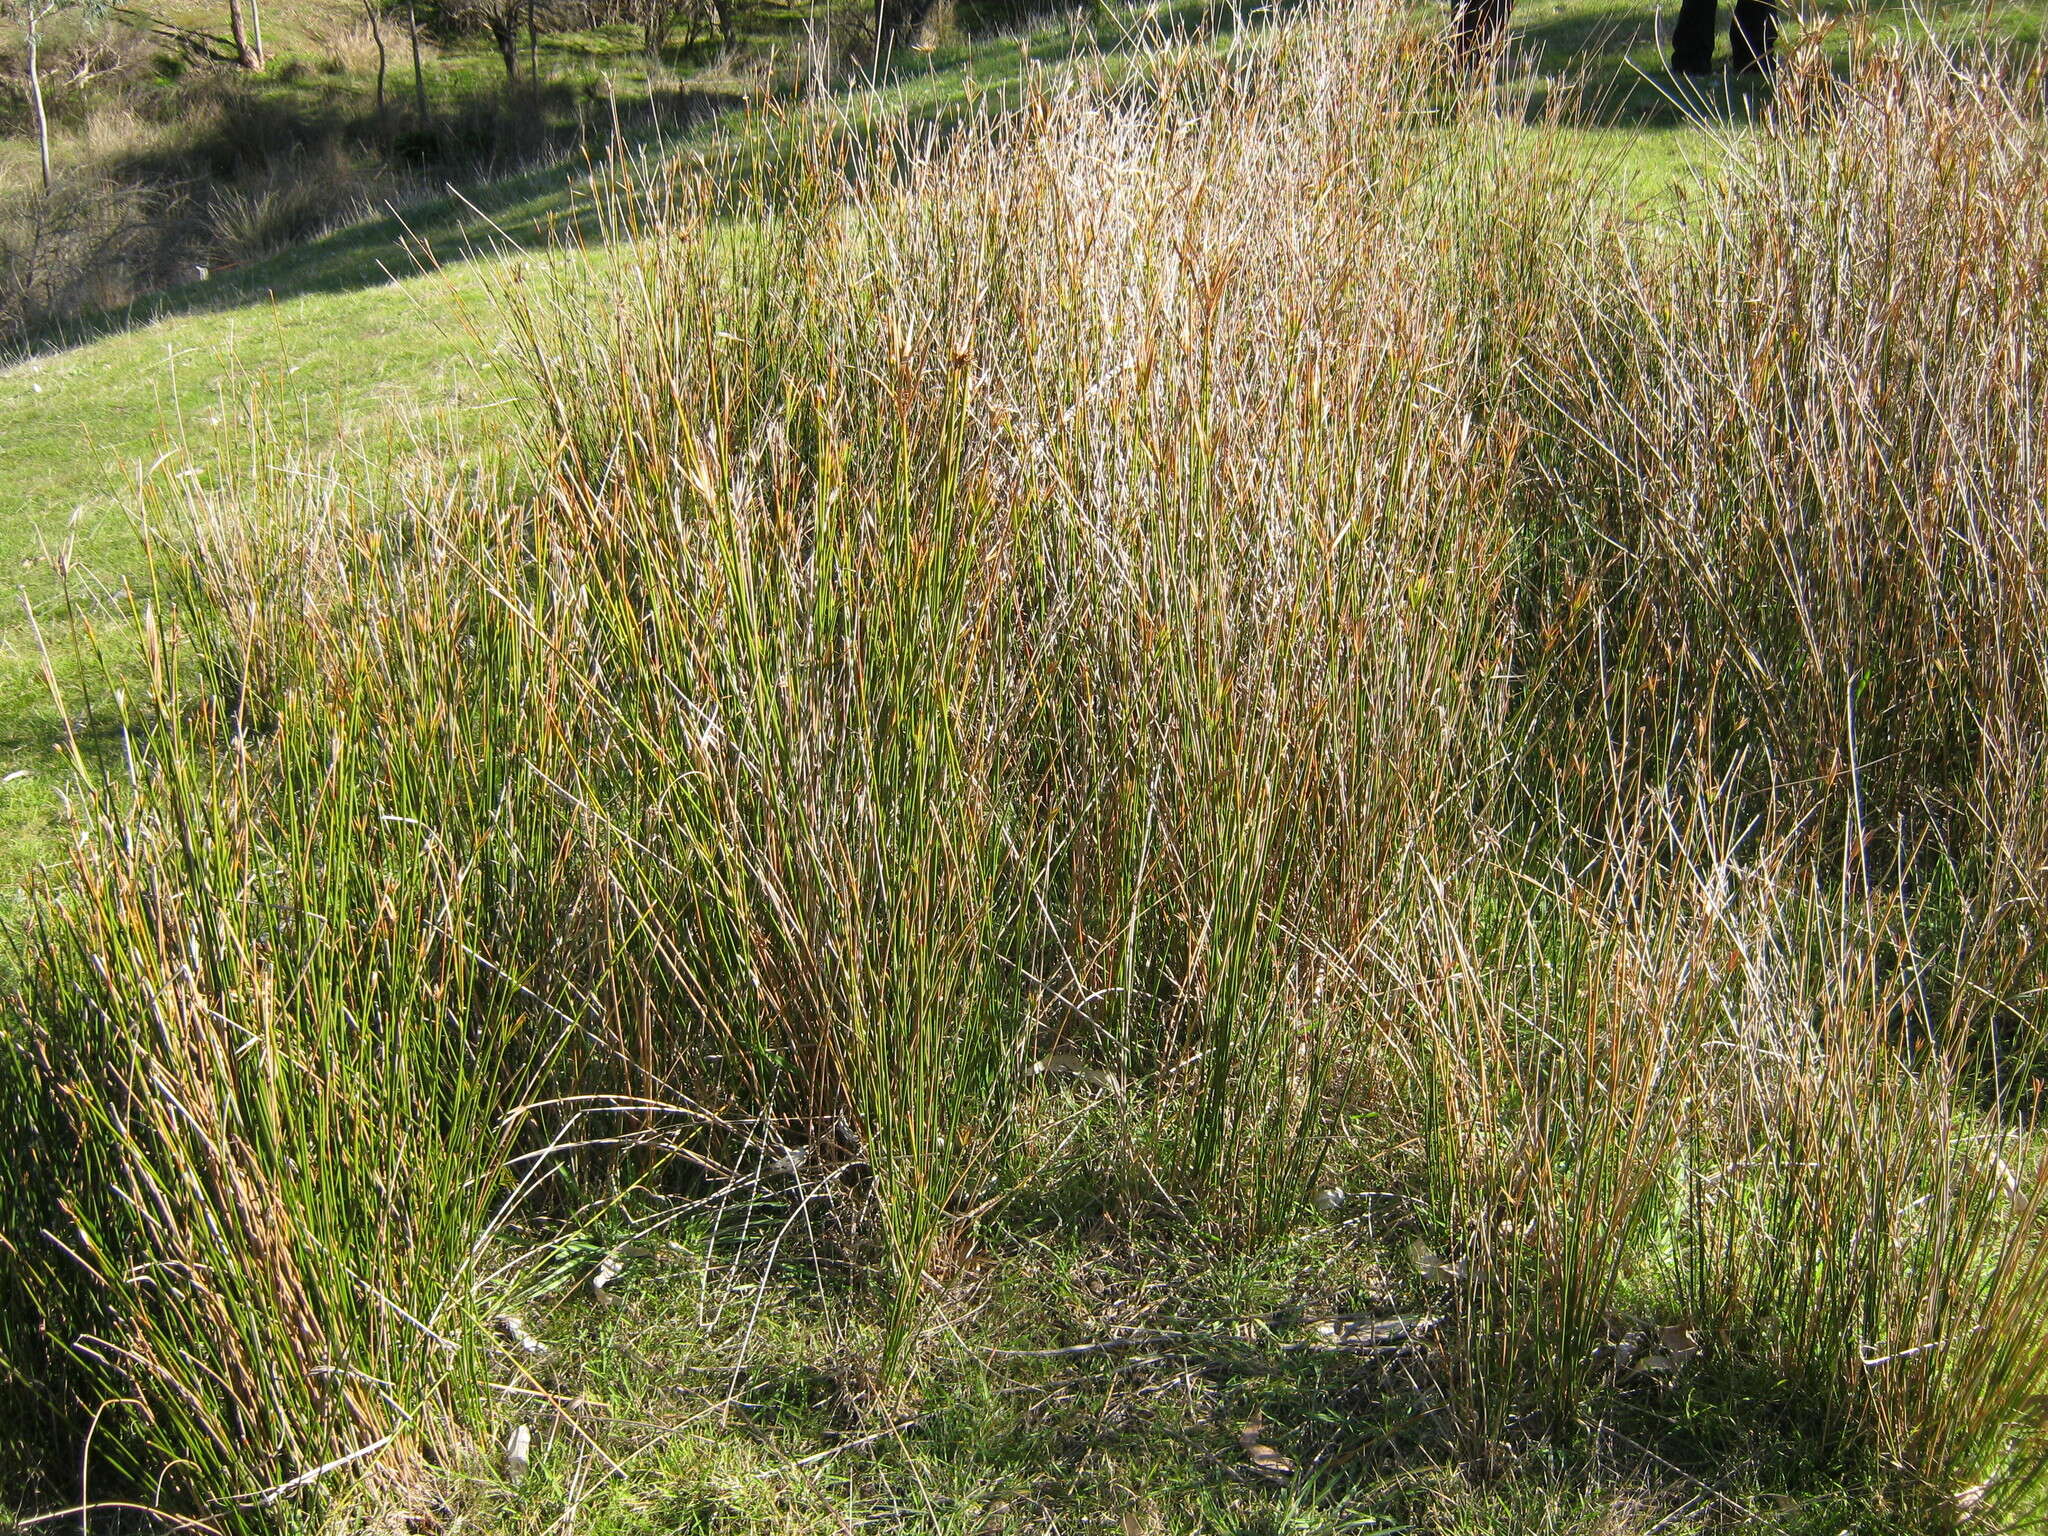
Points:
point(377, 333)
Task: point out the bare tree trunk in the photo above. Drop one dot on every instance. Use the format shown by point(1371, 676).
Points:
point(256, 27)
point(504, 29)
point(248, 48)
point(896, 23)
point(35, 93)
point(371, 8)
point(419, 76)
point(532, 46)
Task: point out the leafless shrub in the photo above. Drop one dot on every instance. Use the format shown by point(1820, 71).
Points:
point(85, 243)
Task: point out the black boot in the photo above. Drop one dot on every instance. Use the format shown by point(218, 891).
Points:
point(1692, 39)
point(1753, 36)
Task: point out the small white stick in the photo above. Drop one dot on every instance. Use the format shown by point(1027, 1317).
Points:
point(306, 1479)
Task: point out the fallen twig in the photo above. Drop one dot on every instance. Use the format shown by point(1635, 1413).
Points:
point(270, 1496)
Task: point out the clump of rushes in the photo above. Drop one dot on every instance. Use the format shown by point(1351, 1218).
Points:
point(1244, 584)
point(255, 1101)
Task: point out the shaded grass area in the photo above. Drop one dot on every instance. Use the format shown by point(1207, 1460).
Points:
point(1612, 58)
point(1093, 1379)
point(929, 87)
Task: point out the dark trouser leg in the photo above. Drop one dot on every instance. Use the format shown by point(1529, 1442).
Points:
point(1753, 34)
point(1692, 39)
point(1476, 26)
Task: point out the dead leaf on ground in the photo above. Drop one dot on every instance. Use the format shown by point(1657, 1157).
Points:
point(518, 1450)
point(1373, 1332)
point(521, 1336)
point(1261, 1455)
point(1431, 1267)
point(1681, 1344)
point(1266, 1459)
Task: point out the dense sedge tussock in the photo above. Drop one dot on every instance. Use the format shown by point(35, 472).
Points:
point(1247, 581)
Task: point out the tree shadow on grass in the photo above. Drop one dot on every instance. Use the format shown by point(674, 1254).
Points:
point(1612, 54)
point(1604, 66)
point(1289, 1434)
